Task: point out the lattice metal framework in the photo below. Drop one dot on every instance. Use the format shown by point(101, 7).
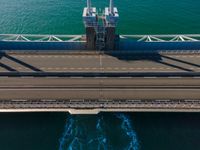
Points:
point(41, 38)
point(81, 38)
point(163, 38)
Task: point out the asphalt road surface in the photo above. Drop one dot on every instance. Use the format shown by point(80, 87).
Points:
point(100, 63)
point(99, 88)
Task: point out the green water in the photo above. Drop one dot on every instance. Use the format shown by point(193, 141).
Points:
point(60, 131)
point(64, 16)
point(137, 131)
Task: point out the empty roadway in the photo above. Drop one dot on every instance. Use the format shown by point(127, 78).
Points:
point(18, 92)
point(99, 88)
point(100, 63)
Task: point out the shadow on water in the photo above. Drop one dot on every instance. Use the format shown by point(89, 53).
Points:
point(30, 131)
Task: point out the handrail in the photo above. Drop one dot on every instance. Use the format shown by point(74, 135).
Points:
point(81, 38)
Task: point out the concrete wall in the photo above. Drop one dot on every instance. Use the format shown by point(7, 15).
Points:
point(42, 45)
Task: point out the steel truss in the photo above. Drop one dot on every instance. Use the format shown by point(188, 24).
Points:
point(163, 38)
point(81, 38)
point(41, 38)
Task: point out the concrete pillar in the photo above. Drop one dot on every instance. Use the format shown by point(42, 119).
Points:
point(110, 38)
point(91, 38)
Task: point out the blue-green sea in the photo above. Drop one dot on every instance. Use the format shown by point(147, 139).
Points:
point(64, 16)
point(106, 131)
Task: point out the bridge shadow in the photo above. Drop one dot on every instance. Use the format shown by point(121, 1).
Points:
point(153, 57)
point(129, 50)
point(126, 51)
point(131, 45)
point(18, 61)
point(6, 67)
point(44, 46)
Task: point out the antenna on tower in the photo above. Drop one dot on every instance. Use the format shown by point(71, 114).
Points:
point(89, 7)
point(111, 15)
point(111, 9)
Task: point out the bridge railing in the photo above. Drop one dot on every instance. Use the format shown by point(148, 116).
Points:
point(163, 38)
point(41, 38)
point(82, 38)
point(104, 105)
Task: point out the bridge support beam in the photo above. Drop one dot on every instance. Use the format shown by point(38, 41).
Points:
point(90, 38)
point(110, 38)
point(90, 21)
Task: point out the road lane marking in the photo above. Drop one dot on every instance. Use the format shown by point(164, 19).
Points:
point(106, 68)
point(174, 77)
point(150, 77)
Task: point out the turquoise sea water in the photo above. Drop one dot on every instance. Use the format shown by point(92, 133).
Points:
point(106, 131)
point(64, 16)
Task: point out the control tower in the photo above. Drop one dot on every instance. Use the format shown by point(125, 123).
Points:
point(111, 19)
point(90, 21)
point(100, 36)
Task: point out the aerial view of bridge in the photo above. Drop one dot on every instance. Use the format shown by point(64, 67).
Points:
point(99, 71)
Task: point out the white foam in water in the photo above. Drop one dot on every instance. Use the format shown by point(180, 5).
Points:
point(101, 135)
point(100, 139)
point(74, 137)
point(70, 139)
point(68, 135)
point(128, 129)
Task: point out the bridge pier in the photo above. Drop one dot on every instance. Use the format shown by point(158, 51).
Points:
point(111, 19)
point(90, 21)
point(110, 38)
point(90, 38)
point(96, 40)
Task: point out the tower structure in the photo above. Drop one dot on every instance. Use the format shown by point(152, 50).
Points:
point(90, 21)
point(111, 20)
point(100, 36)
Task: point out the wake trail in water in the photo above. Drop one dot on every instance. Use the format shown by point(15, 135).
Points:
point(101, 136)
point(74, 137)
point(89, 133)
point(128, 129)
point(70, 139)
point(68, 135)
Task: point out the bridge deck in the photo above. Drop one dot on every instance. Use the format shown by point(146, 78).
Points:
point(100, 63)
point(99, 88)
point(99, 93)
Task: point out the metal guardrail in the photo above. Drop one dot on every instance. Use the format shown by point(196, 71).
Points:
point(163, 38)
point(100, 104)
point(81, 38)
point(41, 38)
